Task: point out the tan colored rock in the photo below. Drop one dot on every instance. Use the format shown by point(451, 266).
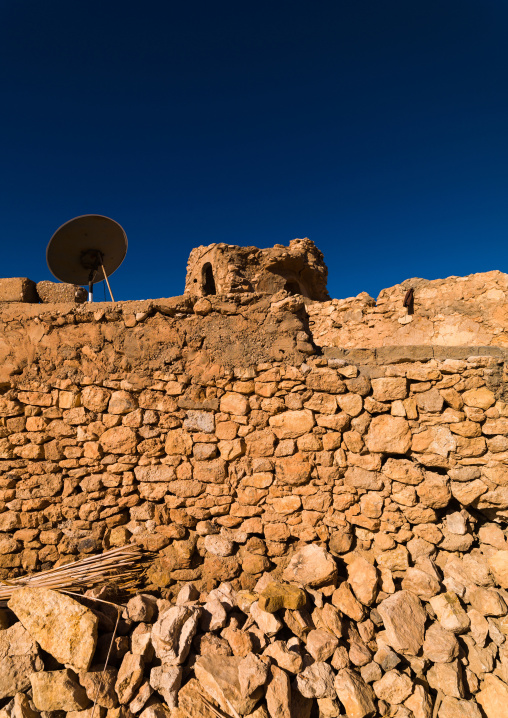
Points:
point(121, 402)
point(293, 470)
point(317, 681)
point(99, 685)
point(450, 613)
point(389, 388)
point(60, 625)
point(481, 398)
point(95, 398)
point(351, 404)
point(488, 602)
point(58, 691)
point(435, 440)
point(21, 708)
point(420, 583)
point(19, 658)
point(321, 644)
point(498, 564)
point(292, 424)
point(355, 695)
point(166, 681)
point(363, 578)
point(278, 595)
point(493, 697)
point(233, 403)
point(18, 289)
point(267, 622)
point(287, 659)
point(278, 694)
point(404, 620)
point(130, 677)
point(394, 687)
point(253, 673)
point(156, 710)
point(456, 708)
point(119, 440)
point(178, 442)
point(440, 645)
point(447, 678)
point(420, 702)
point(344, 599)
point(311, 566)
point(173, 632)
point(219, 676)
point(390, 434)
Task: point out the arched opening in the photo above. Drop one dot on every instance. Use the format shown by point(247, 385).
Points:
point(208, 282)
point(292, 287)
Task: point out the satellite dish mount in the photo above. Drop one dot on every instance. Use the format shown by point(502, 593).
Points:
point(82, 246)
point(92, 259)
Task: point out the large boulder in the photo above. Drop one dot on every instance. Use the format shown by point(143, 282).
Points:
point(60, 625)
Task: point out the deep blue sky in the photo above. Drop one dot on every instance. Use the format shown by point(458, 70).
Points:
point(378, 128)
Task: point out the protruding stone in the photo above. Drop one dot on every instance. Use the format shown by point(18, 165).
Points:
point(404, 619)
point(172, 634)
point(60, 625)
point(130, 677)
point(280, 595)
point(317, 681)
point(219, 676)
point(58, 691)
point(354, 694)
point(311, 566)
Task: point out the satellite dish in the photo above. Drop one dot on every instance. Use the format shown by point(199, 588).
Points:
point(86, 250)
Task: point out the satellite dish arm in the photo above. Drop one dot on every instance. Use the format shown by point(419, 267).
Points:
point(107, 282)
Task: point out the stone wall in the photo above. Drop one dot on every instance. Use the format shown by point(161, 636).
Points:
point(214, 432)
point(457, 311)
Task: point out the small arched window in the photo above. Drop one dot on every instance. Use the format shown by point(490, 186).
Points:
point(208, 282)
point(292, 287)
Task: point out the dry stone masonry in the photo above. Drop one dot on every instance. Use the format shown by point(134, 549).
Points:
point(327, 511)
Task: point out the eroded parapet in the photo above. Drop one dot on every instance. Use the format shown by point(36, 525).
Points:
point(225, 269)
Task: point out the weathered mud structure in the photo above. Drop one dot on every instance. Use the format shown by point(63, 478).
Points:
point(229, 427)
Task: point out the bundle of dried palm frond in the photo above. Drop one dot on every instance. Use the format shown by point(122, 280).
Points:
point(122, 566)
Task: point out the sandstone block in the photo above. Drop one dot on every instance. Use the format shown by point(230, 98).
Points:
point(389, 388)
point(292, 424)
point(404, 620)
point(278, 694)
point(19, 658)
point(390, 434)
point(173, 632)
point(278, 595)
point(394, 687)
point(363, 579)
point(219, 676)
point(450, 613)
point(119, 440)
point(481, 398)
point(166, 681)
point(493, 697)
point(60, 625)
point(130, 677)
point(18, 289)
point(317, 681)
point(355, 695)
point(311, 566)
point(58, 691)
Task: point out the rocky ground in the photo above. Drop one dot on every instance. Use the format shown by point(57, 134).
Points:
point(387, 639)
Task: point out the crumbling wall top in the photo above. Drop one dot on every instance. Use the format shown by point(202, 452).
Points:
point(228, 269)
